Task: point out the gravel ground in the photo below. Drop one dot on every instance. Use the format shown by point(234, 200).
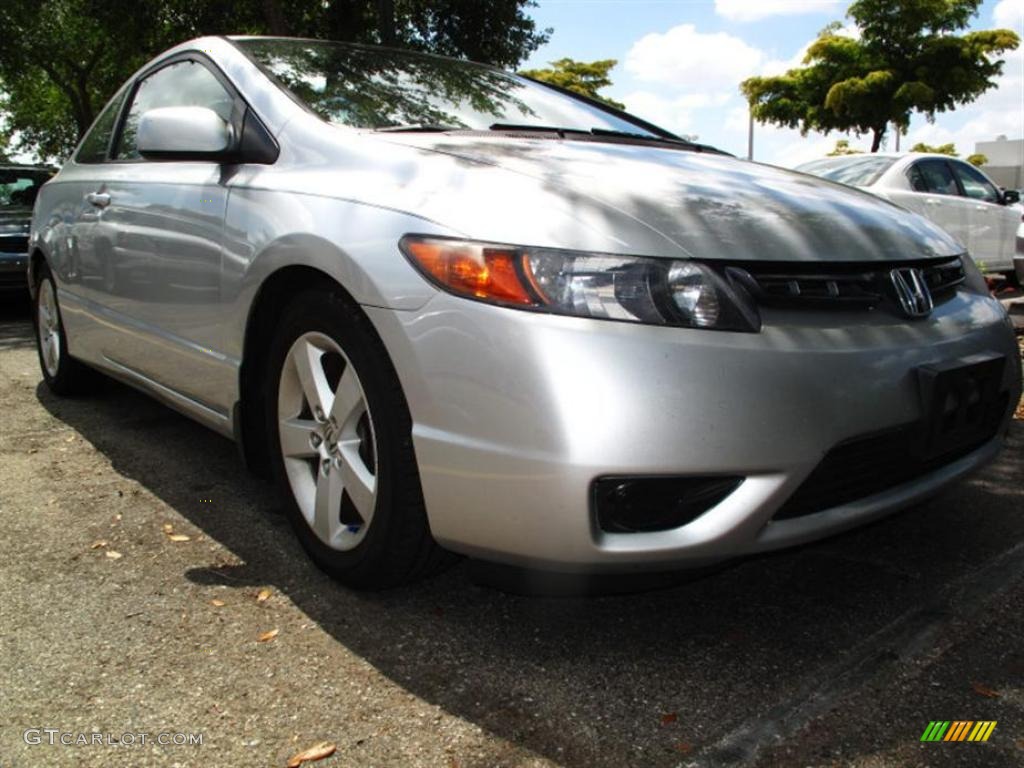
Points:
point(838, 653)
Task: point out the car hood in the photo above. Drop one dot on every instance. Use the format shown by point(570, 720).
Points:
point(704, 205)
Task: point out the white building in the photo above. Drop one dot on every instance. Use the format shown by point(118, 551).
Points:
point(1005, 161)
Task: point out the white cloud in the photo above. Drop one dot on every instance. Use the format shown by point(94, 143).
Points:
point(674, 113)
point(685, 59)
point(1009, 14)
point(752, 10)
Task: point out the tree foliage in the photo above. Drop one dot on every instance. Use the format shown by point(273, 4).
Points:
point(61, 60)
point(937, 149)
point(584, 77)
point(977, 159)
point(843, 148)
point(908, 58)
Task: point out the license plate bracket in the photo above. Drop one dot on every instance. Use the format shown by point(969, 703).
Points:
point(962, 403)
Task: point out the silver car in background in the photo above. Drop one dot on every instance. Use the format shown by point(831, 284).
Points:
point(447, 308)
point(954, 194)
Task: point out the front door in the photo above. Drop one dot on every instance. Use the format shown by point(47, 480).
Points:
point(162, 225)
point(934, 193)
point(993, 224)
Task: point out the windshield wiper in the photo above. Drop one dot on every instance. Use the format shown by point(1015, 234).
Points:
point(645, 136)
point(517, 128)
point(419, 128)
point(605, 133)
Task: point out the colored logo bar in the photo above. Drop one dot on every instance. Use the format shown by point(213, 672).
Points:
point(958, 730)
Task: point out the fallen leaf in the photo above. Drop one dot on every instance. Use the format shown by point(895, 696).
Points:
point(168, 527)
point(316, 752)
point(685, 747)
point(669, 718)
point(178, 537)
point(113, 554)
point(98, 544)
point(263, 596)
point(266, 637)
point(217, 603)
point(984, 690)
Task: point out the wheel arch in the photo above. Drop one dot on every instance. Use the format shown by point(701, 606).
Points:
point(269, 302)
point(36, 259)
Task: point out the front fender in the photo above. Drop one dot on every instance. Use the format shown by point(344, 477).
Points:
point(354, 244)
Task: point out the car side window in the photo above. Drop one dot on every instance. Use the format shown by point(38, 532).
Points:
point(975, 184)
point(182, 84)
point(916, 178)
point(937, 178)
point(94, 146)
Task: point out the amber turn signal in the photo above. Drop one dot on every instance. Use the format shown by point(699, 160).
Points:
point(483, 272)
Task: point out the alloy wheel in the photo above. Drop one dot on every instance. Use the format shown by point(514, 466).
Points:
point(327, 440)
point(49, 328)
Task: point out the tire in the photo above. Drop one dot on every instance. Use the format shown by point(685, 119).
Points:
point(347, 470)
point(63, 375)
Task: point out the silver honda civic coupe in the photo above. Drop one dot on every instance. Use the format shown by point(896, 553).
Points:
point(450, 309)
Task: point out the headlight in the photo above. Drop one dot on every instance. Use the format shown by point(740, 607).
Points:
point(635, 289)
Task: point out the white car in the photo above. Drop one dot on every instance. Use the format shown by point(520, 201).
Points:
point(954, 194)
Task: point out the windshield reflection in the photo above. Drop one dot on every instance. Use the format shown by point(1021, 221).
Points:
point(370, 87)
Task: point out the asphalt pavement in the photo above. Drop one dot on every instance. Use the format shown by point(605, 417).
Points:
point(149, 585)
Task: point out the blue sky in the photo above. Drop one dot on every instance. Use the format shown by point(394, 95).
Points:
point(680, 63)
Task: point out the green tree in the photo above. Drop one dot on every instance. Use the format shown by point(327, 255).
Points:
point(940, 149)
point(909, 58)
point(977, 159)
point(843, 148)
point(584, 77)
point(61, 60)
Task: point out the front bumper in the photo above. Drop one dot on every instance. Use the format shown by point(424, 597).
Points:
point(515, 414)
point(13, 272)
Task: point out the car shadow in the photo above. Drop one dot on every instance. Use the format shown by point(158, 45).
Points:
point(589, 681)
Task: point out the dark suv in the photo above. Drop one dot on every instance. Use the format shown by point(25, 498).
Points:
point(19, 185)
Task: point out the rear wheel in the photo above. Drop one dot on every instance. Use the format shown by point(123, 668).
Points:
point(63, 375)
point(341, 445)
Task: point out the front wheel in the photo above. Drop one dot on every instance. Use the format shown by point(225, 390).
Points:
point(341, 445)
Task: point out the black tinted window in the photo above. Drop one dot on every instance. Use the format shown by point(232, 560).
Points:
point(183, 84)
point(367, 87)
point(97, 141)
point(975, 184)
point(19, 187)
point(935, 176)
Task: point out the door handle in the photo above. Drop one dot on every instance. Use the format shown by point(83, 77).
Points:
point(99, 199)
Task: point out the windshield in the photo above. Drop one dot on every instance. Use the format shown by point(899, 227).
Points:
point(368, 87)
point(855, 171)
point(19, 187)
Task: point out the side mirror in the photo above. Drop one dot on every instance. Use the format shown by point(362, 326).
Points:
point(184, 133)
point(1011, 196)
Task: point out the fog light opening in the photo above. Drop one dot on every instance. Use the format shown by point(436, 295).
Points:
point(648, 504)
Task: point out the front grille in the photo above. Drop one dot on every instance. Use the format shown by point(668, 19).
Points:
point(871, 464)
point(13, 243)
point(851, 285)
